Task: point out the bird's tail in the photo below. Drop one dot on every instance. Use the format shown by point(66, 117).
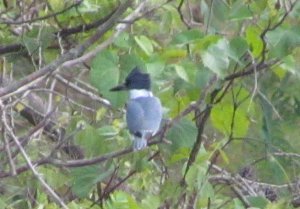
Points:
point(139, 143)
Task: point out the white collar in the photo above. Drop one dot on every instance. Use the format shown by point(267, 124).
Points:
point(135, 93)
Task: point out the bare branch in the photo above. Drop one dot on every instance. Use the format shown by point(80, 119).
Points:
point(29, 163)
point(119, 29)
point(18, 22)
point(37, 76)
point(82, 91)
point(9, 155)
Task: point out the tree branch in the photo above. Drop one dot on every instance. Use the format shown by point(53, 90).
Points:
point(19, 22)
point(29, 163)
point(37, 76)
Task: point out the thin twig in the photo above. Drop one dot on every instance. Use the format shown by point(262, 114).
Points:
point(19, 22)
point(29, 163)
point(9, 155)
point(119, 29)
point(25, 83)
point(82, 91)
point(181, 14)
point(255, 80)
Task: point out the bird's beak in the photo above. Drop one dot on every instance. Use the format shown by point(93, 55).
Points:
point(120, 87)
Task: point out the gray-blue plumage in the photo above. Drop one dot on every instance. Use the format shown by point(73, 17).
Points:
point(143, 118)
point(144, 111)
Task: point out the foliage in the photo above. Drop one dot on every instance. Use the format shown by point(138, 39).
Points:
point(226, 72)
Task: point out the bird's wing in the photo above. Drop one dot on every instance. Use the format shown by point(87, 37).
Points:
point(134, 116)
point(144, 114)
point(152, 113)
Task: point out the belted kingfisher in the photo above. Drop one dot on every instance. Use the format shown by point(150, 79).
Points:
point(143, 110)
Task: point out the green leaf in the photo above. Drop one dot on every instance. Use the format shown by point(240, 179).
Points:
point(282, 40)
point(180, 71)
point(187, 37)
point(31, 44)
point(202, 77)
point(258, 201)
point(216, 57)
point(271, 166)
point(238, 47)
point(206, 42)
point(140, 161)
point(254, 40)
point(240, 11)
point(224, 156)
point(296, 11)
point(38, 39)
point(289, 64)
point(56, 4)
point(123, 41)
point(145, 44)
point(281, 173)
point(258, 6)
point(279, 72)
point(238, 204)
point(85, 178)
point(171, 54)
point(180, 154)
point(279, 205)
point(92, 143)
point(151, 201)
point(128, 62)
point(170, 189)
point(195, 177)
point(182, 134)
point(105, 74)
point(54, 177)
point(155, 68)
point(46, 37)
point(2, 203)
point(222, 114)
point(207, 193)
point(220, 11)
point(107, 131)
point(121, 200)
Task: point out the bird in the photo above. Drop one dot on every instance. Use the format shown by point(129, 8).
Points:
point(143, 109)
